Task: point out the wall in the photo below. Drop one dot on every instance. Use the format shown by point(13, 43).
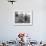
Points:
point(9, 31)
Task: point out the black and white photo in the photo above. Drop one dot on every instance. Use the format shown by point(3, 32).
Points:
point(23, 18)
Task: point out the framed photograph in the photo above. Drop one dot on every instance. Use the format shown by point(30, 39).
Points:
point(23, 18)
